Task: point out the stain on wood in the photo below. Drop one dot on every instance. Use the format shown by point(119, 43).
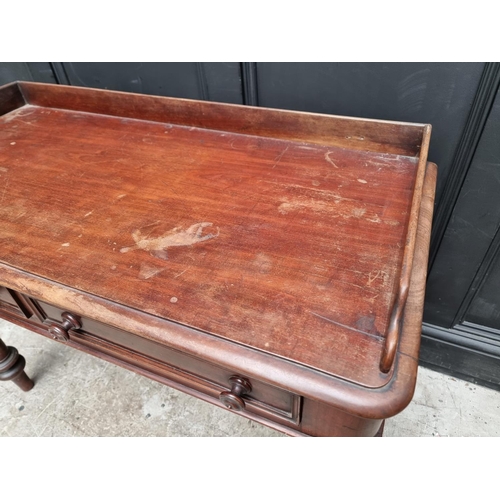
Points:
point(176, 237)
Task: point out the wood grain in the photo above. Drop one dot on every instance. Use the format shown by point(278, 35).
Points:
point(11, 98)
point(277, 246)
point(351, 133)
point(330, 408)
point(260, 241)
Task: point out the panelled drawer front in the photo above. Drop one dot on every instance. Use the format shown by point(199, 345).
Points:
point(263, 399)
point(13, 303)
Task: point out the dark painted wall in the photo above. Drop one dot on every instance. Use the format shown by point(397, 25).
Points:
point(207, 81)
point(468, 237)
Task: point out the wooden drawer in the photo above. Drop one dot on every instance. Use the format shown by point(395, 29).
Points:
point(14, 303)
point(186, 372)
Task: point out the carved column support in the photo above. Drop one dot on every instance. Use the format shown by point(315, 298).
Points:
point(12, 367)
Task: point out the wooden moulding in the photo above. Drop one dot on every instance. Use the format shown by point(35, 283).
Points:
point(376, 396)
point(394, 330)
point(355, 133)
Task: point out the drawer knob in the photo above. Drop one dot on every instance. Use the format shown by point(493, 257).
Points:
point(232, 399)
point(59, 331)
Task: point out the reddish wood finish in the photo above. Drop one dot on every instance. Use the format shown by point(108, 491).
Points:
point(11, 98)
point(12, 367)
point(351, 133)
point(233, 399)
point(394, 328)
point(277, 246)
point(14, 302)
point(60, 331)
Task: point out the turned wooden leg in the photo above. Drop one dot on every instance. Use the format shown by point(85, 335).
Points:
point(380, 432)
point(12, 367)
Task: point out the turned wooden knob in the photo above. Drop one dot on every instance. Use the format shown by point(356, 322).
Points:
point(59, 331)
point(232, 399)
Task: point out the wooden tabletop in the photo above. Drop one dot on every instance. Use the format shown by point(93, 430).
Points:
point(288, 246)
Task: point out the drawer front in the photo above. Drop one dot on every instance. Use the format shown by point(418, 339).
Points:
point(262, 399)
point(14, 303)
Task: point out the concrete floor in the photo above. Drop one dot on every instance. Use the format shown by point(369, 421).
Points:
point(79, 395)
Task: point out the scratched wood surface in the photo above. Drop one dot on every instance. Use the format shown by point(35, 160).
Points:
point(293, 248)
